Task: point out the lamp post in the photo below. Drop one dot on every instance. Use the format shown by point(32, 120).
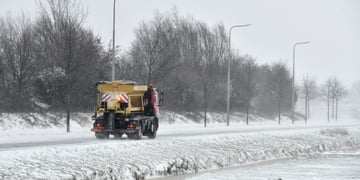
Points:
point(228, 75)
point(293, 81)
point(113, 55)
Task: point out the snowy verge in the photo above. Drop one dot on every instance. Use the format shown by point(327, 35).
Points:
point(125, 159)
point(23, 121)
point(55, 120)
point(50, 120)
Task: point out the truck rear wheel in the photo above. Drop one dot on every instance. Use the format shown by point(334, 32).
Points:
point(153, 131)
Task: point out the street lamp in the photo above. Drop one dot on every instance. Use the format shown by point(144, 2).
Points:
point(293, 81)
point(228, 77)
point(113, 55)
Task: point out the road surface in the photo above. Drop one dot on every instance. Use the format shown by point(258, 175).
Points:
point(27, 141)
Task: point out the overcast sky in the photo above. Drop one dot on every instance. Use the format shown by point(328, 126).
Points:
point(332, 26)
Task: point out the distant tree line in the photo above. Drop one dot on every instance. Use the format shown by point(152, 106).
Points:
point(52, 63)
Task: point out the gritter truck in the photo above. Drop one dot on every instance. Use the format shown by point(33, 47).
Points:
point(123, 107)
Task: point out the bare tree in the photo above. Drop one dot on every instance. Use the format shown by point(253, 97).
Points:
point(251, 84)
point(152, 45)
point(245, 83)
point(326, 92)
point(2, 79)
point(334, 91)
point(338, 92)
point(66, 45)
point(213, 46)
point(186, 54)
point(19, 61)
point(309, 88)
point(186, 75)
point(281, 87)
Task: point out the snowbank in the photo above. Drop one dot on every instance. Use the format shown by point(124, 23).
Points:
point(165, 156)
point(11, 121)
point(168, 117)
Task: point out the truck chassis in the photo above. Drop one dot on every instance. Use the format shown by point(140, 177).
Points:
point(134, 126)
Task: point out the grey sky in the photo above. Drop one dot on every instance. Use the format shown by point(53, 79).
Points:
point(332, 26)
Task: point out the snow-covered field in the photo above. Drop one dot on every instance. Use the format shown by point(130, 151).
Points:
point(181, 147)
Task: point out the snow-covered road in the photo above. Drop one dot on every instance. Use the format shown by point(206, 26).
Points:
point(178, 149)
point(84, 136)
